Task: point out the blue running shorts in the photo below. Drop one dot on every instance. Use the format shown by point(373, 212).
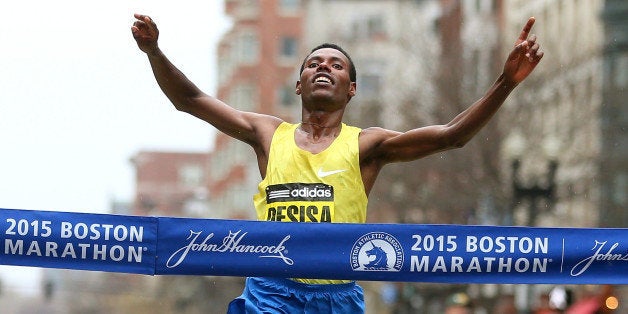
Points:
point(276, 295)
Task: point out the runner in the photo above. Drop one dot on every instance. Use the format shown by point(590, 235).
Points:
point(320, 169)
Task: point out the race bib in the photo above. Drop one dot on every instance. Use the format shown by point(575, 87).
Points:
point(300, 202)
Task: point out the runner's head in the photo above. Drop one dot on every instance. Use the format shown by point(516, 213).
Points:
point(352, 71)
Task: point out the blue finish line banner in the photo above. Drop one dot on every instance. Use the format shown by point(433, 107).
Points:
point(383, 252)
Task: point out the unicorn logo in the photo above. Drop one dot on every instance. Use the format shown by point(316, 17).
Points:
point(380, 262)
point(377, 251)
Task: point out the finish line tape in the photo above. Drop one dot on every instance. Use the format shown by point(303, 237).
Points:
point(383, 252)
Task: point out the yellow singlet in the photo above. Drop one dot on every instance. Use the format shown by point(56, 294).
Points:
point(303, 187)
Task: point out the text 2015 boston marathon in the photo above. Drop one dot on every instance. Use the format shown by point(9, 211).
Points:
point(67, 242)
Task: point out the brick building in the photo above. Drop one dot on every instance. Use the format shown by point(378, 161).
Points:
point(170, 183)
point(258, 58)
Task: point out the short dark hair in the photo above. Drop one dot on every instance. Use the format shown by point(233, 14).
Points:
point(352, 72)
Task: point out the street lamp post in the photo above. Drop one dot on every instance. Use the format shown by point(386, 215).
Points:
point(535, 192)
point(515, 147)
point(532, 192)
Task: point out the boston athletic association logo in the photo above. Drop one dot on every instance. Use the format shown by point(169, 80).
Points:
point(377, 251)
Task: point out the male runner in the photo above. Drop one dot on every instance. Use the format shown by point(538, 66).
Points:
point(334, 165)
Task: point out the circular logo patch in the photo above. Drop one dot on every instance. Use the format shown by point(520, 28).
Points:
point(377, 251)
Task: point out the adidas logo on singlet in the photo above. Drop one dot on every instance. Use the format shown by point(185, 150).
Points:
point(310, 192)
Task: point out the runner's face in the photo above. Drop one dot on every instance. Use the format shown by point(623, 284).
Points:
point(325, 76)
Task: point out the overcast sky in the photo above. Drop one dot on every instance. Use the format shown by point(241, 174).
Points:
point(78, 99)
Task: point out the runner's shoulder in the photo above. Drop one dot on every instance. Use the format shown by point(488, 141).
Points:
point(370, 141)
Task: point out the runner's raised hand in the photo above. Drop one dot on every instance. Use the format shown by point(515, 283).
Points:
point(145, 33)
point(524, 57)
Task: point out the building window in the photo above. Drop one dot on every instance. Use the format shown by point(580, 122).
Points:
point(370, 86)
point(375, 26)
point(620, 186)
point(480, 6)
point(289, 47)
point(218, 165)
point(247, 47)
point(242, 97)
point(290, 6)
point(286, 95)
point(621, 71)
point(369, 27)
point(191, 175)
point(247, 9)
point(225, 68)
point(370, 80)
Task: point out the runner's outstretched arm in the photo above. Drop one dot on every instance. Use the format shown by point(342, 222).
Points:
point(249, 127)
point(420, 142)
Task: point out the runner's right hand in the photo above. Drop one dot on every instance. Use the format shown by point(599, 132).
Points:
point(145, 33)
